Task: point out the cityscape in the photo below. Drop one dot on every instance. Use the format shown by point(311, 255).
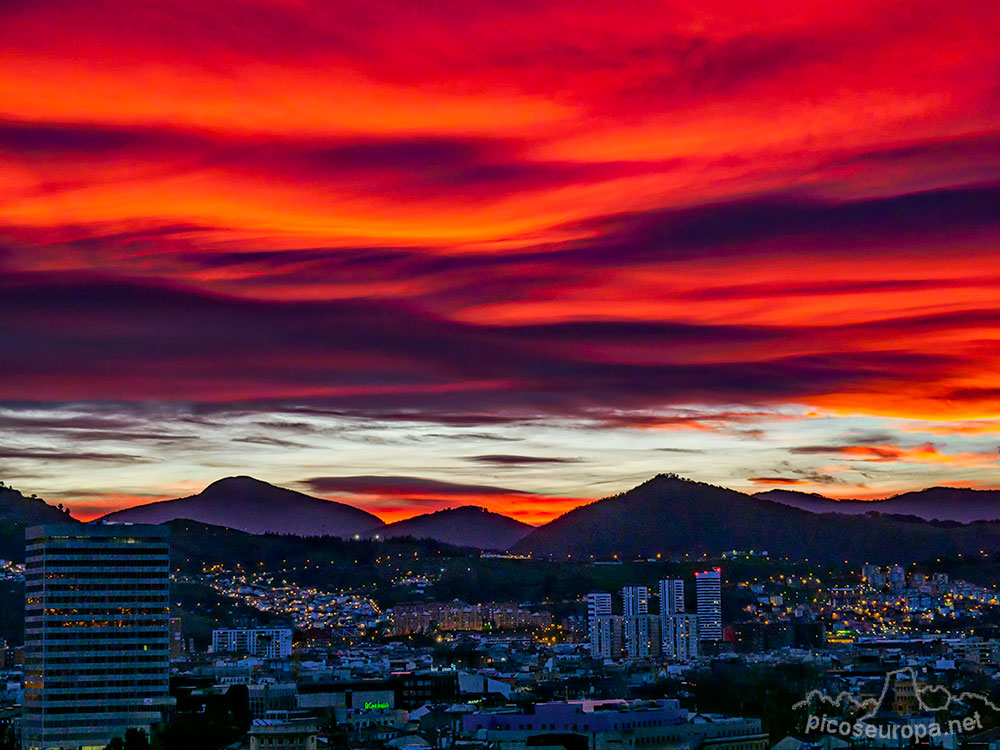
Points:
point(499, 375)
point(126, 644)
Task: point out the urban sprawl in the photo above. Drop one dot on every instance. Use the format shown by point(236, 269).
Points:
point(782, 659)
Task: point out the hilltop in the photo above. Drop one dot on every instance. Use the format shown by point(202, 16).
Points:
point(467, 526)
point(250, 505)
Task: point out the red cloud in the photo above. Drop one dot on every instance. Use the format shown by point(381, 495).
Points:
point(494, 213)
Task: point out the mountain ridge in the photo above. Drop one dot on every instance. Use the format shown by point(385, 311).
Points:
point(961, 504)
point(464, 526)
point(687, 516)
point(18, 512)
point(256, 507)
point(682, 517)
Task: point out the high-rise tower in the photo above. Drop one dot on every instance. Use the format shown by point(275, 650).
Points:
point(671, 596)
point(635, 600)
point(708, 589)
point(97, 602)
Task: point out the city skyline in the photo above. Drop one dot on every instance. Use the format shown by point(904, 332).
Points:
point(522, 257)
point(382, 375)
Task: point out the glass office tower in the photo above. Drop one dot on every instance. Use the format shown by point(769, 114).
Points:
point(97, 608)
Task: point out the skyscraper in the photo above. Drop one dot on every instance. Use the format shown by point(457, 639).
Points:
point(708, 590)
point(671, 596)
point(97, 602)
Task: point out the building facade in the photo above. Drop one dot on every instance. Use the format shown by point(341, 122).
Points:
point(598, 607)
point(97, 608)
point(671, 596)
point(432, 616)
point(613, 725)
point(708, 589)
point(291, 734)
point(635, 600)
point(607, 637)
point(680, 636)
point(267, 643)
point(643, 638)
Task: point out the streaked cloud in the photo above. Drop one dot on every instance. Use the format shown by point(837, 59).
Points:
point(377, 239)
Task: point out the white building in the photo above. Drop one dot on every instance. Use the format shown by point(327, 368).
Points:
point(292, 734)
point(708, 590)
point(267, 643)
point(635, 600)
point(680, 637)
point(642, 636)
point(671, 596)
point(598, 606)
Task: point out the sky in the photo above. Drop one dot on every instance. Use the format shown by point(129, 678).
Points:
point(522, 254)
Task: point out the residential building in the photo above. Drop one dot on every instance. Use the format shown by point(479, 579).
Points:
point(635, 600)
point(291, 734)
point(607, 639)
point(643, 638)
point(267, 643)
point(599, 606)
point(708, 591)
point(680, 637)
point(671, 596)
point(613, 723)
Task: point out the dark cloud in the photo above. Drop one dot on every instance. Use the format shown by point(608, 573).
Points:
point(129, 436)
point(269, 441)
point(859, 452)
point(399, 486)
point(36, 139)
point(818, 477)
point(983, 149)
point(507, 459)
point(104, 339)
point(734, 228)
point(470, 435)
point(696, 67)
point(469, 418)
point(810, 450)
point(298, 427)
point(58, 455)
point(422, 153)
point(799, 475)
point(795, 288)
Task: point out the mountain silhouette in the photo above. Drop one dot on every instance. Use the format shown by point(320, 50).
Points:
point(17, 513)
point(671, 516)
point(467, 526)
point(932, 504)
point(250, 505)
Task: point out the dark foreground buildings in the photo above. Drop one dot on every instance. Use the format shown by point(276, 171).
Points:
point(96, 633)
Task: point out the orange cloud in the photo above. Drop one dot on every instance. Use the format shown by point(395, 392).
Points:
point(926, 453)
point(600, 213)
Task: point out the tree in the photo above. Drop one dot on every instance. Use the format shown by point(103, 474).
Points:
point(7, 738)
point(136, 739)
